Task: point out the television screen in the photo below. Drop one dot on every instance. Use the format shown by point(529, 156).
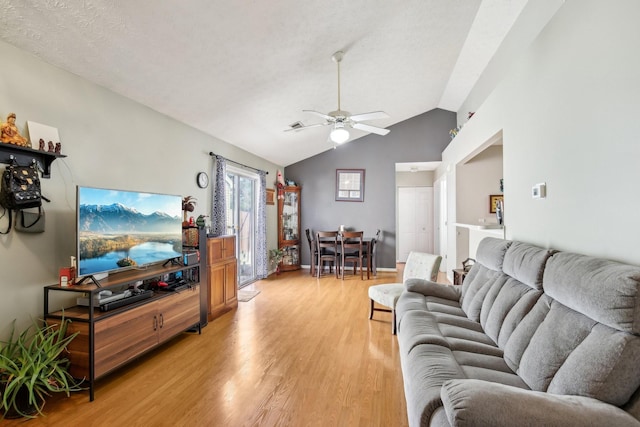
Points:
point(126, 229)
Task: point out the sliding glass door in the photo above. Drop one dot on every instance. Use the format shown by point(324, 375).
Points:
point(242, 189)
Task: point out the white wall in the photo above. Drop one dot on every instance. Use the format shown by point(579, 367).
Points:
point(568, 111)
point(110, 142)
point(478, 178)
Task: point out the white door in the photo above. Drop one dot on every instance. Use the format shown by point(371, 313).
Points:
point(440, 220)
point(415, 220)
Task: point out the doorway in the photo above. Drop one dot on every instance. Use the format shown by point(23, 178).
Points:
point(241, 194)
point(415, 220)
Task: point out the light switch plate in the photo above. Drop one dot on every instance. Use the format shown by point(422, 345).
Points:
point(539, 191)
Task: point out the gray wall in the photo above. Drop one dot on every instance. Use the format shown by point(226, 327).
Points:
point(419, 139)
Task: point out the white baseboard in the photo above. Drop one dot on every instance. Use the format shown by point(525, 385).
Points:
point(388, 270)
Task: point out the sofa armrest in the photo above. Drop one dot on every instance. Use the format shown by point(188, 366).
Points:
point(483, 403)
point(433, 289)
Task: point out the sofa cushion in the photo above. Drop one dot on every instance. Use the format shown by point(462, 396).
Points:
point(420, 327)
point(606, 291)
point(526, 263)
point(481, 403)
point(491, 252)
point(424, 370)
point(603, 366)
point(521, 337)
point(561, 331)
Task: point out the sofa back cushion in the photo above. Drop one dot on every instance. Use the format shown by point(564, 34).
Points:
point(510, 299)
point(483, 275)
point(606, 291)
point(580, 338)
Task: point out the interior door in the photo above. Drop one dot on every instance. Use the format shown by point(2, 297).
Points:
point(415, 221)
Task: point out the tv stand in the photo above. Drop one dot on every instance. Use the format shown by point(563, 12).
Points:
point(110, 339)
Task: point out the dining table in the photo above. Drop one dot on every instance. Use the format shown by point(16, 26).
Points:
point(368, 244)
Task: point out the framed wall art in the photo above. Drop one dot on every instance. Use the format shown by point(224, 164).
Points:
point(493, 200)
point(350, 185)
point(271, 196)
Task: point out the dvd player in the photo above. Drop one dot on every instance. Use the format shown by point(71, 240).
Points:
point(102, 299)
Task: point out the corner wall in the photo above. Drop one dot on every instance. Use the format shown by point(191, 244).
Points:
point(111, 142)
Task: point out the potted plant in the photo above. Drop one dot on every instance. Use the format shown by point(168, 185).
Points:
point(32, 366)
point(276, 255)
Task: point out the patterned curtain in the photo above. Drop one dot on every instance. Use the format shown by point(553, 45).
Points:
point(219, 205)
point(262, 261)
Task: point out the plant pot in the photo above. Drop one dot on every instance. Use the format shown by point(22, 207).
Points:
point(21, 407)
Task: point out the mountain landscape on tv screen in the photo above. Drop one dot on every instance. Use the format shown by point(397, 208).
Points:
point(117, 218)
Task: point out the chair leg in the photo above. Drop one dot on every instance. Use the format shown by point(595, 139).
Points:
point(393, 327)
point(371, 309)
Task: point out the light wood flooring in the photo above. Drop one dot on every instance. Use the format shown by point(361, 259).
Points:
point(301, 353)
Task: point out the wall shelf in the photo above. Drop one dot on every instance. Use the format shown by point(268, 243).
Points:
point(24, 156)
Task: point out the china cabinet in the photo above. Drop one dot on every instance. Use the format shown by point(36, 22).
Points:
point(289, 227)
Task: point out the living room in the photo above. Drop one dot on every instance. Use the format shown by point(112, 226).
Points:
point(565, 108)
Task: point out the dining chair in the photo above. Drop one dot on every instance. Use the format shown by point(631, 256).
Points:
point(313, 252)
point(327, 244)
point(373, 248)
point(352, 251)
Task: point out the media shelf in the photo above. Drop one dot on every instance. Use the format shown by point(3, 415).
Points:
point(109, 339)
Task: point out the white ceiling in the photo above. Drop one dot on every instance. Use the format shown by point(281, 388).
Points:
point(244, 70)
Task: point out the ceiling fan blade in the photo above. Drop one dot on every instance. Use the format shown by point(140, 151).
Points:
point(307, 127)
point(372, 129)
point(374, 115)
point(317, 113)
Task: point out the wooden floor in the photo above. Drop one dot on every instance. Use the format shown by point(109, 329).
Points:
point(301, 353)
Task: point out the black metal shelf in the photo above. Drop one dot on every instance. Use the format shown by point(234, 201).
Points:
point(25, 156)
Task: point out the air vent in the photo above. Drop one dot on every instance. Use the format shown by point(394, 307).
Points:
point(296, 125)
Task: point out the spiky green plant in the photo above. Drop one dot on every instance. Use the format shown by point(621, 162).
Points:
point(33, 365)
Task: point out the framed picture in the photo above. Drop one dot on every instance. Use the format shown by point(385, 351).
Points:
point(493, 200)
point(271, 196)
point(349, 185)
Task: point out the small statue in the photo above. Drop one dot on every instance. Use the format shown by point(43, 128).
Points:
point(51, 147)
point(9, 132)
point(41, 142)
point(58, 147)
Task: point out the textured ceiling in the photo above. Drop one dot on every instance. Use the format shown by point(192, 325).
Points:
point(243, 71)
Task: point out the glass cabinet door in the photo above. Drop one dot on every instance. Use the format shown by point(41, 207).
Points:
point(289, 227)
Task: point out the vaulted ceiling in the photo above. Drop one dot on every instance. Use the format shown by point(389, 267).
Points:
point(244, 70)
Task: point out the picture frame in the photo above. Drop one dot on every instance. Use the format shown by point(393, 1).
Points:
point(350, 185)
point(271, 196)
point(493, 200)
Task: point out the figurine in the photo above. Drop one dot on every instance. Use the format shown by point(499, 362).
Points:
point(41, 142)
point(58, 148)
point(9, 132)
point(51, 147)
point(280, 184)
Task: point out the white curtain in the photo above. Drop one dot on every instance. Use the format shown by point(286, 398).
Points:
point(262, 261)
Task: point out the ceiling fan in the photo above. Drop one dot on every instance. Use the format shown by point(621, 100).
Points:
point(341, 120)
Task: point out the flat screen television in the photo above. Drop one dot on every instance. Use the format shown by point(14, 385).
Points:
point(119, 229)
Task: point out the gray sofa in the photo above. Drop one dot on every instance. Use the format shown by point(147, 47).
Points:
point(532, 337)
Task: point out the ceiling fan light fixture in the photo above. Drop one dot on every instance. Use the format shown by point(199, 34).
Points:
point(339, 134)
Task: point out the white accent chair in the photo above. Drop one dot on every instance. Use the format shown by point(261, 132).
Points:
point(419, 265)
